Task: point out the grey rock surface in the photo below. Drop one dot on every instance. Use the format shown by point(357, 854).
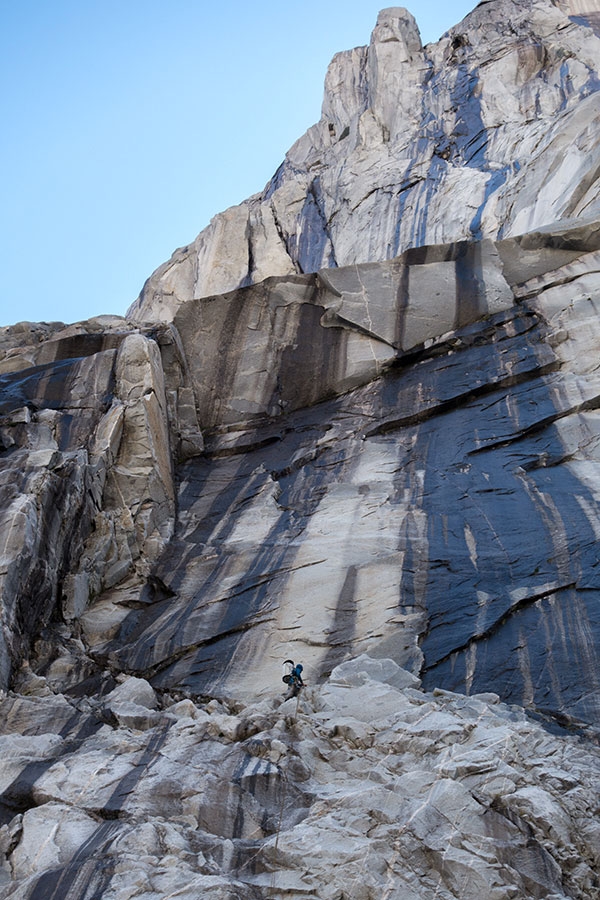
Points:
point(365, 786)
point(435, 513)
point(266, 350)
point(87, 472)
point(444, 512)
point(385, 469)
point(491, 132)
point(397, 458)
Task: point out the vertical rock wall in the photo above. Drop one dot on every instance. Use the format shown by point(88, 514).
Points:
point(399, 459)
point(87, 474)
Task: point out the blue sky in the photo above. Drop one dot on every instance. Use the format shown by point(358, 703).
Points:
point(128, 125)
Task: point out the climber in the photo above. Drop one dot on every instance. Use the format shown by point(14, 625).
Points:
point(293, 679)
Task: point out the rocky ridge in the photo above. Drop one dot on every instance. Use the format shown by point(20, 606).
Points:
point(490, 132)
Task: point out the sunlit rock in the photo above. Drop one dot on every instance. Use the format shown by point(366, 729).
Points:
point(354, 425)
point(490, 132)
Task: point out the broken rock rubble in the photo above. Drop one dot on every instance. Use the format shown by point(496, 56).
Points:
point(364, 787)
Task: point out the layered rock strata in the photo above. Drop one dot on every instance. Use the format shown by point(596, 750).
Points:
point(87, 470)
point(441, 513)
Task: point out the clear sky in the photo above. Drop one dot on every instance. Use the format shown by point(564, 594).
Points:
point(128, 124)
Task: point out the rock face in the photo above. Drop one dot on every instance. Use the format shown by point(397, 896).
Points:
point(87, 474)
point(387, 469)
point(434, 508)
point(491, 132)
point(368, 486)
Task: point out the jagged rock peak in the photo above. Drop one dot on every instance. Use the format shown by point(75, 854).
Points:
point(397, 25)
point(490, 132)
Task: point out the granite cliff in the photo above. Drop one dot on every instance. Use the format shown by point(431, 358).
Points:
point(355, 423)
point(489, 133)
